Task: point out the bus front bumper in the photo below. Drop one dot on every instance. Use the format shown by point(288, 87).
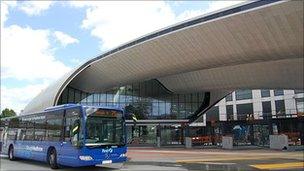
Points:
point(100, 162)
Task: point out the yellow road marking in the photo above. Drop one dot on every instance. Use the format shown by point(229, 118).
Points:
point(225, 158)
point(291, 165)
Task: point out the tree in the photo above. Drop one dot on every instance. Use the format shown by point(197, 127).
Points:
point(7, 113)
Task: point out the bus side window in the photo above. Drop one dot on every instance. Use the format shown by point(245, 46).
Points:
point(54, 125)
point(40, 126)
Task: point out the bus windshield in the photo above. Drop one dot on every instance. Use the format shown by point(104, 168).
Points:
point(104, 127)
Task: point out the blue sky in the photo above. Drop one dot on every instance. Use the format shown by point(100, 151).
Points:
point(43, 40)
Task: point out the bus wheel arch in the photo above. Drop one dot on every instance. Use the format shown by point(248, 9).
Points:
point(52, 157)
point(11, 152)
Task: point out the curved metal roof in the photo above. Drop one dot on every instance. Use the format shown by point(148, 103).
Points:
point(244, 46)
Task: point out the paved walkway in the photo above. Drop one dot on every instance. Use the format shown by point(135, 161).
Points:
point(180, 159)
point(245, 159)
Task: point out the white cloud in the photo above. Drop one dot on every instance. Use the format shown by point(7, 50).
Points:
point(5, 5)
point(76, 61)
point(64, 39)
point(115, 23)
point(26, 55)
point(18, 98)
point(212, 6)
point(32, 8)
point(216, 5)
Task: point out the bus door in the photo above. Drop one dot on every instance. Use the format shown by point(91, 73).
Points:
point(70, 141)
point(5, 139)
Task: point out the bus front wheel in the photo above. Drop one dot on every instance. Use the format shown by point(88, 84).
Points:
point(52, 158)
point(11, 153)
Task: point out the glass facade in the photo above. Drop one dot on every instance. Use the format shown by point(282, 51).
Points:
point(299, 91)
point(265, 93)
point(147, 100)
point(229, 111)
point(243, 110)
point(229, 97)
point(266, 109)
point(280, 107)
point(278, 92)
point(243, 94)
point(300, 106)
point(213, 114)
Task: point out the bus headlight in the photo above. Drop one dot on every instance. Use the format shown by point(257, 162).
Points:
point(85, 158)
point(123, 155)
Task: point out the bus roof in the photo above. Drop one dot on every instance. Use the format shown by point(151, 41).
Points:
point(54, 108)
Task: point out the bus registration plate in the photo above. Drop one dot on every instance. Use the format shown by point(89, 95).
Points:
point(106, 161)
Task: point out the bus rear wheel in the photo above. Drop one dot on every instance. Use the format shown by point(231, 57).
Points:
point(11, 153)
point(52, 158)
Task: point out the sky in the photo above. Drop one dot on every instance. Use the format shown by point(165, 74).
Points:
point(43, 40)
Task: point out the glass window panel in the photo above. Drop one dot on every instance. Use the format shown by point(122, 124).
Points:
point(116, 97)
point(243, 94)
point(278, 92)
point(174, 110)
point(299, 91)
point(40, 130)
point(188, 98)
point(201, 97)
point(266, 109)
point(83, 97)
point(300, 106)
point(229, 97)
point(182, 111)
point(244, 110)
point(154, 108)
point(90, 98)
point(188, 109)
point(129, 90)
point(280, 107)
point(195, 107)
point(53, 132)
point(229, 112)
point(96, 98)
point(168, 108)
point(110, 97)
point(103, 97)
point(175, 98)
point(162, 108)
point(213, 114)
point(182, 98)
point(103, 104)
point(129, 99)
point(136, 89)
point(111, 104)
point(265, 93)
point(122, 98)
point(71, 96)
point(194, 97)
point(71, 116)
point(65, 96)
point(77, 96)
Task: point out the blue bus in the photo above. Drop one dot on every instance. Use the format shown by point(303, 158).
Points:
point(69, 135)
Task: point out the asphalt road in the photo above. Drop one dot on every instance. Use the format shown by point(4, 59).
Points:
point(152, 159)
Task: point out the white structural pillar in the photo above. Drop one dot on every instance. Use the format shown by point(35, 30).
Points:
point(188, 142)
point(290, 103)
point(257, 104)
point(188, 139)
point(227, 142)
point(278, 142)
